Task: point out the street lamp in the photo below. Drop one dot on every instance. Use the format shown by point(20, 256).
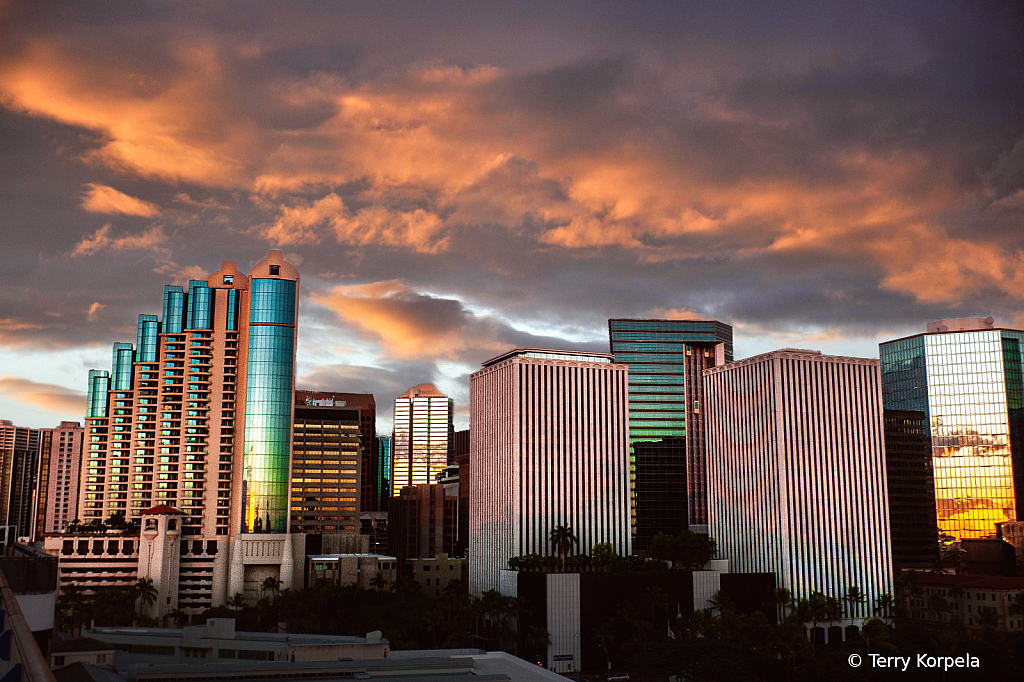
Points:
point(608, 658)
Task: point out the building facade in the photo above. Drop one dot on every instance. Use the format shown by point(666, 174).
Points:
point(197, 416)
point(550, 446)
point(19, 461)
point(797, 472)
point(908, 463)
point(666, 358)
point(423, 437)
point(967, 377)
point(382, 459)
point(659, 476)
point(422, 522)
point(60, 459)
point(327, 464)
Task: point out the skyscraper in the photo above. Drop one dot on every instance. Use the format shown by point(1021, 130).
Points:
point(796, 472)
point(60, 459)
point(196, 418)
point(201, 406)
point(967, 377)
point(422, 437)
point(19, 459)
point(908, 466)
point(382, 473)
point(550, 443)
point(326, 463)
point(666, 358)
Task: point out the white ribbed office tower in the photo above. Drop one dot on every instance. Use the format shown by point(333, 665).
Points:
point(796, 472)
point(549, 436)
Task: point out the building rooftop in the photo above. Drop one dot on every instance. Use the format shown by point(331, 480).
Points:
point(363, 400)
point(423, 391)
point(163, 509)
point(439, 665)
point(324, 557)
point(981, 582)
point(81, 644)
point(552, 354)
point(292, 639)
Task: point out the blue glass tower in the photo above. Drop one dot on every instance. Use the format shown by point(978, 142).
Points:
point(148, 339)
point(270, 385)
point(96, 398)
point(666, 359)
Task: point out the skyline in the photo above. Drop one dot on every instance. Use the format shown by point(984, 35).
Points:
point(454, 180)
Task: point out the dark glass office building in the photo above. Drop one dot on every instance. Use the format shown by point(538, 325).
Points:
point(908, 462)
point(660, 467)
point(967, 377)
point(666, 359)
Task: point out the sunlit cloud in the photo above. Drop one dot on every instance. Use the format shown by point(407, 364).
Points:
point(152, 239)
point(104, 199)
point(49, 397)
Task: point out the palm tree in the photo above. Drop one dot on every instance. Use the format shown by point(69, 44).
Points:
point(71, 603)
point(180, 617)
point(885, 604)
point(854, 596)
point(271, 583)
point(563, 540)
point(237, 601)
point(783, 599)
point(147, 593)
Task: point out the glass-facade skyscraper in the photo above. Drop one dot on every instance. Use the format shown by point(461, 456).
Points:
point(666, 358)
point(967, 378)
point(423, 437)
point(197, 415)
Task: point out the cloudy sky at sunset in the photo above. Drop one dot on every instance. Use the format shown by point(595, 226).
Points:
point(456, 178)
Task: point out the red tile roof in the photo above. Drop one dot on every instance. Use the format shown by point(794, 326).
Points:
point(163, 509)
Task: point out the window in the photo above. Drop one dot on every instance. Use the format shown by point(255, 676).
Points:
point(229, 279)
point(275, 269)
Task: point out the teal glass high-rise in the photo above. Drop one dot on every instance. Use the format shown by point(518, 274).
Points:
point(148, 339)
point(965, 376)
point(121, 376)
point(270, 385)
point(174, 309)
point(666, 358)
point(96, 398)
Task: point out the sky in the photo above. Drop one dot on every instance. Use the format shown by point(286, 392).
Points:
point(454, 179)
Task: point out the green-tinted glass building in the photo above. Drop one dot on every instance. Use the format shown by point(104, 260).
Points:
point(965, 376)
point(666, 358)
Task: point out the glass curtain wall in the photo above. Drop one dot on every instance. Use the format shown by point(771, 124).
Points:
point(269, 398)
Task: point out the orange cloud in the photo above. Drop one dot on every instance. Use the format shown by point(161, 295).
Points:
point(152, 239)
point(49, 397)
point(94, 310)
point(104, 199)
point(439, 139)
point(417, 229)
point(409, 324)
point(398, 318)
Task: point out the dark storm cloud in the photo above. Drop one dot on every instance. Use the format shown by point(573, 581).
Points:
point(462, 177)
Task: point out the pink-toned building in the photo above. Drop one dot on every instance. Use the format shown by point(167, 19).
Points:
point(60, 460)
